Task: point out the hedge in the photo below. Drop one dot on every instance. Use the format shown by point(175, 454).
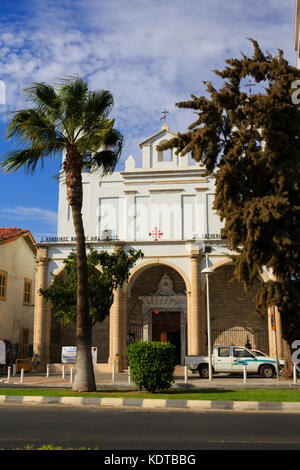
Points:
point(152, 365)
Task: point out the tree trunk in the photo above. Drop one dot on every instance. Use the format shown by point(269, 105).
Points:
point(287, 372)
point(84, 376)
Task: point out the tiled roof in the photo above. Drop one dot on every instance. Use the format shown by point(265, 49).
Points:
point(6, 233)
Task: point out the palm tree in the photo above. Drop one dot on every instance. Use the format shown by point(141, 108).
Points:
point(72, 119)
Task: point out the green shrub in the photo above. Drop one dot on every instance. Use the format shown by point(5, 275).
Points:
point(152, 365)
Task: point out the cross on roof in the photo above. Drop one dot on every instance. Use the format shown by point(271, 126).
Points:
point(165, 112)
point(250, 85)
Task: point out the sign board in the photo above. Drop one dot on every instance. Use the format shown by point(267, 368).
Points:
point(2, 352)
point(94, 355)
point(68, 354)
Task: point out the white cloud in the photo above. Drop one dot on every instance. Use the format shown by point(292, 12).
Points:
point(149, 53)
point(27, 214)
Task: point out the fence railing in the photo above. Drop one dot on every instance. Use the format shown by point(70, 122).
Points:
point(253, 339)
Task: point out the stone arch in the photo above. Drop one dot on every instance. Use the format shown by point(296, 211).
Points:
point(137, 270)
point(234, 320)
point(58, 272)
point(148, 294)
point(263, 275)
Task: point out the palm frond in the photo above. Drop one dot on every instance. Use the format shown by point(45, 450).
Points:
point(67, 115)
point(33, 126)
point(28, 158)
point(94, 137)
point(73, 95)
point(108, 156)
point(98, 106)
point(46, 99)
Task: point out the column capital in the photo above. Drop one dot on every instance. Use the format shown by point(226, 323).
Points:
point(42, 261)
point(118, 245)
point(195, 256)
point(42, 253)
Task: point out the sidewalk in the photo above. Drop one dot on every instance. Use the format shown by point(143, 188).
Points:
point(104, 380)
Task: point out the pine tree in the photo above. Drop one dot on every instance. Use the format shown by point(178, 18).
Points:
point(251, 142)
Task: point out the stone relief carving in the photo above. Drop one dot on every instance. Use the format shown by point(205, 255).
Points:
point(165, 286)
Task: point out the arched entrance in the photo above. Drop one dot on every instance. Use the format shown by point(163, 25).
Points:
point(234, 320)
point(157, 307)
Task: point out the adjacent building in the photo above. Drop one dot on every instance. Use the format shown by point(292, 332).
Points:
point(17, 289)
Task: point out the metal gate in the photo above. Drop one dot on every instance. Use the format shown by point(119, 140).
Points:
point(66, 336)
point(134, 333)
point(253, 339)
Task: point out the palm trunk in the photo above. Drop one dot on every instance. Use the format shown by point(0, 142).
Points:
point(84, 377)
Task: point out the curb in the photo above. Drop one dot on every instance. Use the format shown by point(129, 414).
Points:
point(152, 403)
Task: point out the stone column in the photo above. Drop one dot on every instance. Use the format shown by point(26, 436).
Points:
point(188, 321)
point(203, 317)
point(194, 318)
point(116, 327)
point(272, 346)
point(124, 326)
point(42, 311)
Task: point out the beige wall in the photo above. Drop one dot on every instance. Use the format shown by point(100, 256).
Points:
point(17, 259)
point(233, 312)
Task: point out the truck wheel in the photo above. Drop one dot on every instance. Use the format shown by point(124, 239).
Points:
point(203, 372)
point(267, 372)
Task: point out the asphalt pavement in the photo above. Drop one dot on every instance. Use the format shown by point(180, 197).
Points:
point(114, 429)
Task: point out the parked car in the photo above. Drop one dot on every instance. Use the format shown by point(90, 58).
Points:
point(231, 359)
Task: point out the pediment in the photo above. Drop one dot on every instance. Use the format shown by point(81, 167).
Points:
point(164, 132)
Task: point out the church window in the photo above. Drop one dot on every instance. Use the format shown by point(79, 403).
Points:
point(3, 285)
point(27, 292)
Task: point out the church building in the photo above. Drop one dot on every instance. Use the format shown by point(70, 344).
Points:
point(164, 209)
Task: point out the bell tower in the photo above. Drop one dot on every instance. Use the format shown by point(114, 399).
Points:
point(152, 159)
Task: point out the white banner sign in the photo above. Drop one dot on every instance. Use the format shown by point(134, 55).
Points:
point(68, 354)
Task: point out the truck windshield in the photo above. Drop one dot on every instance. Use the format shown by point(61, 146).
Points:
point(258, 353)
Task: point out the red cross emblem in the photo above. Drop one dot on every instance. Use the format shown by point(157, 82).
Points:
point(155, 234)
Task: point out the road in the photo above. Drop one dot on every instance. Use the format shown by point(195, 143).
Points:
point(119, 429)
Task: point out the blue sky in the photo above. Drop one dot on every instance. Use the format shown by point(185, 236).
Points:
point(148, 53)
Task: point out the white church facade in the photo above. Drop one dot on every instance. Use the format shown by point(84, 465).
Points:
point(164, 209)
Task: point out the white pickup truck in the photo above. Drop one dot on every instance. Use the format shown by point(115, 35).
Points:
point(231, 359)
